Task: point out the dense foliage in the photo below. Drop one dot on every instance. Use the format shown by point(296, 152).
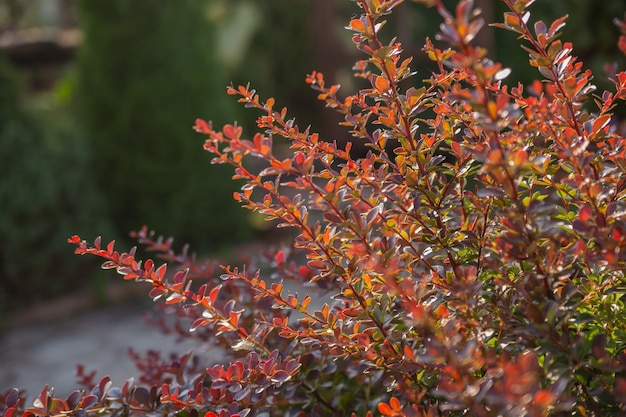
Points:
point(471, 264)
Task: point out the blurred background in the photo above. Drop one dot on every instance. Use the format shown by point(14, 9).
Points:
point(97, 100)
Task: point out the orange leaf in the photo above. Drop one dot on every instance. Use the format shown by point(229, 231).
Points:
point(384, 409)
point(395, 404)
point(600, 123)
point(357, 25)
point(381, 83)
point(544, 398)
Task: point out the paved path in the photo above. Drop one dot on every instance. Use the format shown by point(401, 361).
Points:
point(46, 351)
point(33, 355)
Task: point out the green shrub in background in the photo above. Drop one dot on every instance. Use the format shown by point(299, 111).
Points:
point(144, 74)
point(273, 44)
point(279, 56)
point(45, 191)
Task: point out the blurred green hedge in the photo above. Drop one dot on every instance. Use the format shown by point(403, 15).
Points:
point(145, 73)
point(46, 194)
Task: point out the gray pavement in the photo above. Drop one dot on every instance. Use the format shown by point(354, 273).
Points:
point(45, 344)
point(33, 355)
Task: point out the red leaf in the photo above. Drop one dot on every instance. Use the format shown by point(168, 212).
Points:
point(332, 217)
point(174, 298)
point(299, 159)
point(42, 400)
point(149, 265)
point(156, 293)
point(181, 276)
point(621, 44)
point(160, 272)
point(197, 323)
point(280, 376)
point(104, 385)
point(279, 258)
point(304, 271)
point(234, 318)
point(408, 352)
point(213, 294)
point(202, 126)
point(456, 149)
point(110, 247)
point(89, 401)
point(74, 240)
point(232, 132)
point(585, 213)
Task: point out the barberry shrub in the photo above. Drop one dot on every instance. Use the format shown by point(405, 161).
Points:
point(472, 263)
